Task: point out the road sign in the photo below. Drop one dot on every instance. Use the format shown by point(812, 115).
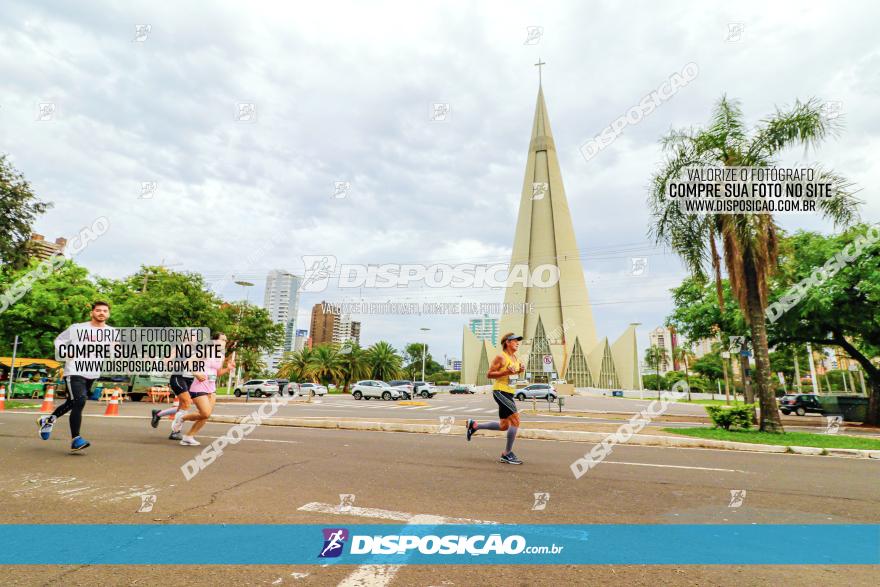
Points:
point(548, 363)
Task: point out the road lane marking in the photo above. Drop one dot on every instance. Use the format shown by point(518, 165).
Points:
point(254, 439)
point(329, 508)
point(382, 575)
point(673, 466)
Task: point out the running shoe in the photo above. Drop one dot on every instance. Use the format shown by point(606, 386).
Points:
point(470, 429)
point(189, 441)
point(511, 459)
point(79, 443)
point(46, 424)
point(155, 421)
point(175, 436)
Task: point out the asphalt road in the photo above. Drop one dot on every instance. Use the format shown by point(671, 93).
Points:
point(291, 475)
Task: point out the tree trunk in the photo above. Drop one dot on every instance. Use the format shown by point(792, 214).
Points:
point(770, 420)
point(873, 373)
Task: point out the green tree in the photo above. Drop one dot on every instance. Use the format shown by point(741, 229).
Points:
point(385, 363)
point(654, 357)
point(157, 297)
point(247, 326)
point(297, 366)
point(839, 310)
point(684, 356)
point(326, 364)
point(354, 363)
point(49, 306)
point(19, 208)
point(748, 241)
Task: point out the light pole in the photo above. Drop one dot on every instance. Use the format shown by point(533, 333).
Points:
point(424, 346)
point(245, 285)
point(635, 326)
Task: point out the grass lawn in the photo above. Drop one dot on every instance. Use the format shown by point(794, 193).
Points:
point(787, 439)
point(14, 405)
point(710, 402)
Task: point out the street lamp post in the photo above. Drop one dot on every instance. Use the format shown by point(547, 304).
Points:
point(424, 346)
point(245, 285)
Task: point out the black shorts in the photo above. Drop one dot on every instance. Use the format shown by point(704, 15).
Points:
point(180, 384)
point(506, 405)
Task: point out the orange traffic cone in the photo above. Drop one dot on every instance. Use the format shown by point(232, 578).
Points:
point(49, 399)
point(113, 406)
point(2, 398)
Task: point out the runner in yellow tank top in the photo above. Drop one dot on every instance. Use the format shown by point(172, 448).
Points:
point(505, 370)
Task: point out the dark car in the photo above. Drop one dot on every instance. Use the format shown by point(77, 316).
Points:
point(461, 388)
point(800, 404)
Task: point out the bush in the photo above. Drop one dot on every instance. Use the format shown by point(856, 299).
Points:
point(728, 417)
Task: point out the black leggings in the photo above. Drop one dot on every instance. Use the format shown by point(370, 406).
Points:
point(78, 389)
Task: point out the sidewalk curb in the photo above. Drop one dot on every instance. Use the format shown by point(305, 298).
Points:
point(563, 435)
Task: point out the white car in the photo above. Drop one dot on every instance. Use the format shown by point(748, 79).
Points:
point(312, 389)
point(258, 388)
point(371, 388)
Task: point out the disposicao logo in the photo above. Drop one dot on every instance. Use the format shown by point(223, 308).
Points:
point(334, 541)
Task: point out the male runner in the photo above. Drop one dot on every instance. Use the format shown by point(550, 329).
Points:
point(504, 370)
point(180, 383)
point(79, 380)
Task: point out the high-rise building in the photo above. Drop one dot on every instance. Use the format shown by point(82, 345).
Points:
point(559, 334)
point(330, 325)
point(42, 249)
point(301, 340)
point(485, 328)
point(281, 300)
point(664, 338)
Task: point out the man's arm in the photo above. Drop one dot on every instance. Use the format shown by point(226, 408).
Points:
point(497, 368)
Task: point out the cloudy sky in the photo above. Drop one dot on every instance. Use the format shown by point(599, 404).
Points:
point(343, 92)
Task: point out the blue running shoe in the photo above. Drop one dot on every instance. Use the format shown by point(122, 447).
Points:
point(46, 424)
point(470, 429)
point(79, 443)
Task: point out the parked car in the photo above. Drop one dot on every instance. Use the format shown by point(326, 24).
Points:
point(403, 384)
point(312, 389)
point(461, 388)
point(800, 404)
point(371, 388)
point(537, 390)
point(424, 389)
point(258, 388)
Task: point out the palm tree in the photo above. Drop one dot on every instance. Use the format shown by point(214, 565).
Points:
point(748, 241)
point(326, 364)
point(297, 366)
point(385, 363)
point(681, 353)
point(655, 356)
point(353, 360)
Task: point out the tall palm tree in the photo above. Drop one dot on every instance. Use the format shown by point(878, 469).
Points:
point(353, 360)
point(385, 363)
point(684, 355)
point(326, 364)
point(748, 241)
point(297, 366)
point(655, 356)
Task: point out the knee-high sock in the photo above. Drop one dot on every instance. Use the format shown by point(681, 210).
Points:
point(511, 436)
point(177, 423)
point(167, 412)
point(488, 426)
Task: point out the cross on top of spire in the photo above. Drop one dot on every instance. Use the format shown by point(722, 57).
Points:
point(538, 65)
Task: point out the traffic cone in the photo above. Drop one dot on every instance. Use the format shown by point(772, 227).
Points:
point(2, 398)
point(49, 399)
point(113, 406)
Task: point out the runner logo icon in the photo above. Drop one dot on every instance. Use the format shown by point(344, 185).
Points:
point(334, 541)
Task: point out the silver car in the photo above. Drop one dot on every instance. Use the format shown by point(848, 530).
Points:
point(372, 388)
point(537, 391)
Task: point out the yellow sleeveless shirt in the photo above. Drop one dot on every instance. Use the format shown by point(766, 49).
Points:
point(505, 383)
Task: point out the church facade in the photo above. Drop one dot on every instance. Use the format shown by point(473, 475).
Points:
point(560, 340)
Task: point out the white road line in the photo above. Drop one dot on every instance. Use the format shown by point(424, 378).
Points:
point(673, 466)
point(329, 508)
point(434, 409)
point(258, 439)
point(381, 575)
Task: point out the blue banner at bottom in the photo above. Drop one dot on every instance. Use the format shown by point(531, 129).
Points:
point(620, 544)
